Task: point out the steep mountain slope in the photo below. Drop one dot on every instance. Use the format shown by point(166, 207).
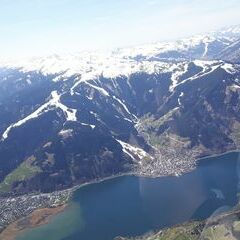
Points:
point(69, 119)
point(77, 130)
point(231, 53)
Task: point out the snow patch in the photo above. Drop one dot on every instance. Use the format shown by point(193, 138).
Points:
point(89, 125)
point(177, 73)
point(234, 87)
point(69, 112)
point(101, 90)
point(228, 68)
point(205, 50)
point(65, 133)
point(179, 99)
point(122, 104)
point(133, 151)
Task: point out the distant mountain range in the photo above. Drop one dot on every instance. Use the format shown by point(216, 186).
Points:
point(152, 109)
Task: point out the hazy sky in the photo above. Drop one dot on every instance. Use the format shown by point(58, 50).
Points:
point(36, 27)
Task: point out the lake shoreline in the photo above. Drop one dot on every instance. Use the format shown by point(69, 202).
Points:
point(73, 189)
point(13, 230)
point(218, 154)
point(37, 218)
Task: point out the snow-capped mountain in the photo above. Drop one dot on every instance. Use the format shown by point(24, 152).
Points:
point(231, 32)
point(231, 53)
point(151, 110)
point(125, 61)
point(203, 46)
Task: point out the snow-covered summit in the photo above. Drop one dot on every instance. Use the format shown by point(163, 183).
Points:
point(125, 61)
point(88, 65)
point(232, 31)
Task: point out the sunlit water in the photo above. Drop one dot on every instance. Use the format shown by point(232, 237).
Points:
point(130, 206)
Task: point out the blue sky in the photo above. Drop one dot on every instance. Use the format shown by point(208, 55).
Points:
point(37, 27)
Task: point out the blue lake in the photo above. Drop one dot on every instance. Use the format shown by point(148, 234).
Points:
point(130, 206)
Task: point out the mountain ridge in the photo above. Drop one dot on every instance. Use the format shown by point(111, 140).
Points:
point(71, 119)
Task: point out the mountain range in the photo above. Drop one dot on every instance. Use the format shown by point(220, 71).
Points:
point(149, 110)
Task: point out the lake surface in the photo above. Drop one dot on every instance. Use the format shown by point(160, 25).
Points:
point(130, 206)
